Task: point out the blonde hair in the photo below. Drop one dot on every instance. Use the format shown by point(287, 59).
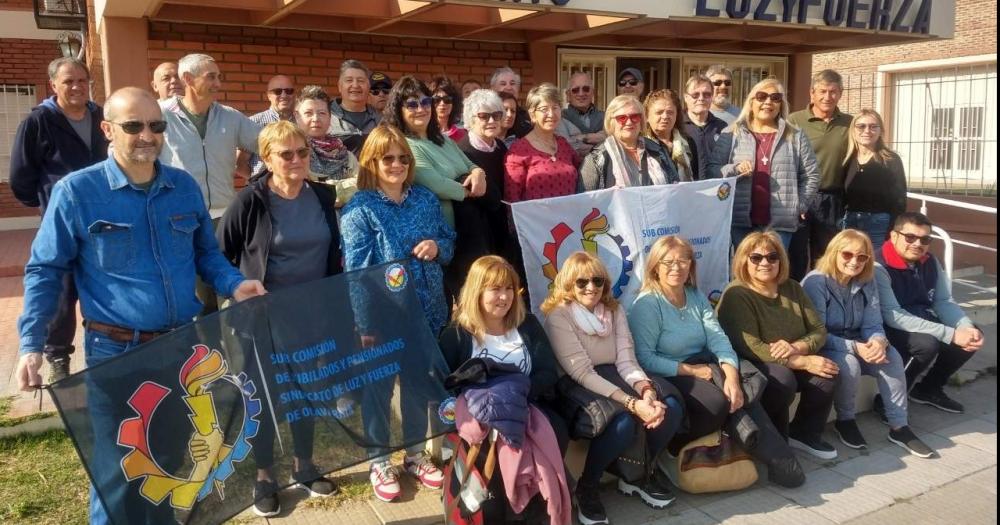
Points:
point(618, 103)
point(659, 250)
point(746, 114)
point(882, 152)
point(378, 143)
point(276, 133)
point(578, 265)
point(759, 238)
point(487, 271)
point(827, 263)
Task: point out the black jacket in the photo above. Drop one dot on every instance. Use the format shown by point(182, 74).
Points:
point(456, 346)
point(244, 232)
point(46, 149)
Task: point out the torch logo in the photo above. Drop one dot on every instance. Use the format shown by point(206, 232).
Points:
point(596, 238)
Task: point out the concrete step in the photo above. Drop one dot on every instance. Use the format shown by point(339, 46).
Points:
point(977, 294)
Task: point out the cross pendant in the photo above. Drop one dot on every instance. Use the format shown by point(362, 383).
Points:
point(764, 161)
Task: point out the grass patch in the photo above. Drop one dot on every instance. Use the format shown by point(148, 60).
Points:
point(6, 403)
point(42, 481)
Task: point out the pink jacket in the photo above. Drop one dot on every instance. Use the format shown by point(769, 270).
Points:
point(536, 467)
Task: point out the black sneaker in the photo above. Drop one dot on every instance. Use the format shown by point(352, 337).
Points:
point(786, 472)
point(878, 406)
point(905, 438)
point(937, 399)
point(310, 480)
point(58, 368)
point(653, 492)
point(265, 499)
point(850, 434)
point(815, 446)
point(590, 510)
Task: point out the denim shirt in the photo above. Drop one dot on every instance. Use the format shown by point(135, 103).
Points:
point(133, 254)
point(850, 312)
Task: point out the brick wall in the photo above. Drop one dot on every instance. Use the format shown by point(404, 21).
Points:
point(19, 5)
point(249, 56)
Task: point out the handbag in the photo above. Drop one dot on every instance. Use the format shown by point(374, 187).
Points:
point(586, 412)
point(711, 463)
point(466, 485)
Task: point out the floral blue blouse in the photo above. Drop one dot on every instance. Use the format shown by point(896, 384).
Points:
point(376, 230)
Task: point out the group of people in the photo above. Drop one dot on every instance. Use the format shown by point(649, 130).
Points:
point(148, 231)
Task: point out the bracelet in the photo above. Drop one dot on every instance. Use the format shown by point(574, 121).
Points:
point(649, 386)
point(630, 404)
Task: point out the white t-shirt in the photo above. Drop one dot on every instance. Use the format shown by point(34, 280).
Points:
point(507, 348)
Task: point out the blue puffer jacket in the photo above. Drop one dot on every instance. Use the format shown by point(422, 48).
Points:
point(502, 404)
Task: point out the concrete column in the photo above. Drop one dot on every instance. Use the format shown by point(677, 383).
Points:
point(799, 80)
point(125, 49)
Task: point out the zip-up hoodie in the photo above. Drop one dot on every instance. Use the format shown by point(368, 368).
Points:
point(46, 148)
point(211, 161)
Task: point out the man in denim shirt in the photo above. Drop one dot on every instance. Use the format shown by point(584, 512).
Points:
point(133, 232)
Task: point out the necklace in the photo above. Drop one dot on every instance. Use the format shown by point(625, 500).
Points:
point(764, 141)
point(549, 148)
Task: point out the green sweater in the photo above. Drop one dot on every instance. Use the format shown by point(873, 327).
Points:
point(753, 321)
point(438, 168)
point(829, 141)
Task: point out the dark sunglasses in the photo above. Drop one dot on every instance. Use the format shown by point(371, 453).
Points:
point(760, 96)
point(379, 92)
point(718, 83)
point(446, 99)
point(772, 258)
point(623, 83)
point(282, 91)
point(288, 155)
point(389, 160)
point(622, 119)
point(848, 256)
point(412, 104)
point(911, 238)
point(580, 89)
point(582, 283)
point(485, 117)
point(134, 127)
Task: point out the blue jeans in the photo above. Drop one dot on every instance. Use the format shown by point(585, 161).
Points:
point(739, 233)
point(875, 225)
point(890, 378)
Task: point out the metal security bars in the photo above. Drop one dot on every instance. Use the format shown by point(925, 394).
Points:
point(16, 101)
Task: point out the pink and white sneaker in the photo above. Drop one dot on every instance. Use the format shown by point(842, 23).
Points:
point(384, 480)
point(423, 468)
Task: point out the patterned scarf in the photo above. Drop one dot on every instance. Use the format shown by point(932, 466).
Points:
point(330, 157)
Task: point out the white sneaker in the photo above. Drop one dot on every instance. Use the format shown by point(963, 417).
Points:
point(384, 480)
point(423, 468)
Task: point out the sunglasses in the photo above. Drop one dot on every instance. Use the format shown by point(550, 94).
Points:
point(134, 127)
point(379, 92)
point(443, 99)
point(848, 256)
point(486, 117)
point(414, 104)
point(911, 238)
point(288, 155)
point(580, 89)
point(700, 94)
point(389, 160)
point(281, 91)
point(760, 96)
point(582, 283)
point(622, 119)
point(718, 83)
point(772, 258)
point(630, 83)
point(869, 127)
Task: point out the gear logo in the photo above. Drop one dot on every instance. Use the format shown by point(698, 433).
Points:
point(212, 457)
point(395, 277)
point(597, 238)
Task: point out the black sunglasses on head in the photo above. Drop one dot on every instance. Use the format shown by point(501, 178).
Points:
point(134, 127)
point(582, 283)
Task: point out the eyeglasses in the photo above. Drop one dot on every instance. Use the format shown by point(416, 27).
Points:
point(848, 256)
point(443, 99)
point(288, 155)
point(546, 110)
point(911, 238)
point(680, 263)
point(389, 160)
point(580, 89)
point(379, 92)
point(718, 83)
point(699, 95)
point(282, 91)
point(582, 283)
point(627, 82)
point(772, 258)
point(134, 127)
point(622, 119)
point(761, 96)
point(869, 127)
point(414, 104)
point(486, 117)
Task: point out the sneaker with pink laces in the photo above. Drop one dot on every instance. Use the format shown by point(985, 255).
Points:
point(384, 480)
point(423, 468)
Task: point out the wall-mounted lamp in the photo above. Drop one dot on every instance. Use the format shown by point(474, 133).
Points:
point(71, 44)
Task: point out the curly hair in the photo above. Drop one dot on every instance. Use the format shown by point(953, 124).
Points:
point(406, 88)
point(444, 83)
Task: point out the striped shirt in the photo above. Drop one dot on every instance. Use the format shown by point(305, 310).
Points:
point(262, 119)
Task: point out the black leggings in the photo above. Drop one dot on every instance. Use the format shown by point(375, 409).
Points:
point(814, 406)
point(707, 409)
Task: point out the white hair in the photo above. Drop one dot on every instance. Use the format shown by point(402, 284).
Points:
point(504, 71)
point(194, 63)
point(480, 100)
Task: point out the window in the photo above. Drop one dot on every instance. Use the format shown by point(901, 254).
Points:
point(941, 138)
point(16, 102)
point(970, 138)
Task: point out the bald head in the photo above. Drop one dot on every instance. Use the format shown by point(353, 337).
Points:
point(129, 98)
point(134, 124)
point(281, 95)
point(166, 82)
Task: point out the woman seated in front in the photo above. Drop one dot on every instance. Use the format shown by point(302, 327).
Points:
point(771, 321)
point(843, 289)
point(491, 322)
point(678, 337)
point(591, 339)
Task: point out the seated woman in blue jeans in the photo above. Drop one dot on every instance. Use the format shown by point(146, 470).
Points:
point(843, 291)
point(875, 184)
point(588, 328)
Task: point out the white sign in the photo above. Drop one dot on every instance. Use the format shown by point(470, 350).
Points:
point(619, 226)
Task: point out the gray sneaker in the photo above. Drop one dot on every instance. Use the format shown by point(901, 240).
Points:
point(58, 368)
point(905, 438)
